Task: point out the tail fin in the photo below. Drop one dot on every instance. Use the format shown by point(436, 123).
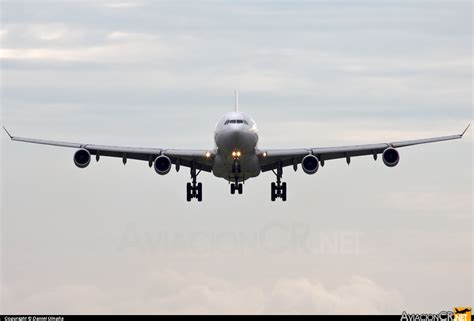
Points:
point(236, 100)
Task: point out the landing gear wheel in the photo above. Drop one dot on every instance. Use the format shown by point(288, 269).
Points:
point(194, 189)
point(188, 192)
point(236, 187)
point(199, 192)
point(278, 188)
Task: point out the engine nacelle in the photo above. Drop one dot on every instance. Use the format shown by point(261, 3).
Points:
point(310, 164)
point(390, 157)
point(162, 165)
point(82, 158)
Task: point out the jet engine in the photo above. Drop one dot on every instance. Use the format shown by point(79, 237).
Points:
point(162, 165)
point(390, 157)
point(310, 164)
point(82, 158)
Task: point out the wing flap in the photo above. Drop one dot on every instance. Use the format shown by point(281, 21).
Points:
point(272, 158)
point(200, 158)
point(328, 153)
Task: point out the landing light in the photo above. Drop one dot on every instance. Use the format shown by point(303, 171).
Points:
point(264, 154)
point(236, 153)
point(208, 154)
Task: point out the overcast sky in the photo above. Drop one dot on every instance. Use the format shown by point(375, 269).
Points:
point(362, 238)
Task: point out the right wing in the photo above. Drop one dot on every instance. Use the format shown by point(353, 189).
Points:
point(200, 159)
point(273, 158)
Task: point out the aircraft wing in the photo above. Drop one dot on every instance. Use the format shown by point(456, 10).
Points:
point(270, 159)
point(202, 159)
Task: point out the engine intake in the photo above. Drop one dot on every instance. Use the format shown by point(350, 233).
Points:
point(82, 158)
point(162, 165)
point(390, 157)
point(310, 164)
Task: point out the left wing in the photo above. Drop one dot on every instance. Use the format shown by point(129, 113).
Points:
point(273, 158)
point(200, 159)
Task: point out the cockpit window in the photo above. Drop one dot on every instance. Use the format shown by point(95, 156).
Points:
point(236, 121)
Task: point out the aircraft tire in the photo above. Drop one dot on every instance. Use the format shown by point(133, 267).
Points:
point(188, 192)
point(199, 192)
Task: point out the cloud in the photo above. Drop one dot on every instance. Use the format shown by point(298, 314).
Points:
point(434, 202)
point(24, 35)
point(53, 31)
point(172, 292)
point(304, 296)
point(346, 131)
point(116, 47)
point(3, 34)
point(123, 5)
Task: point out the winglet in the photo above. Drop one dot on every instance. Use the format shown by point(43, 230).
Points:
point(7, 132)
point(465, 130)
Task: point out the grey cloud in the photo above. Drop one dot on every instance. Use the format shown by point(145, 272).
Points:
point(171, 292)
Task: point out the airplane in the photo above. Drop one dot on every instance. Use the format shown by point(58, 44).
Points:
point(463, 311)
point(236, 156)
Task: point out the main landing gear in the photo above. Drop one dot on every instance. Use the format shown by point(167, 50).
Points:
point(279, 188)
point(194, 189)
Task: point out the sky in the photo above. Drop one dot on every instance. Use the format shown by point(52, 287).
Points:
point(358, 239)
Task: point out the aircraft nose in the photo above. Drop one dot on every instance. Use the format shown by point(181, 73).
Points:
point(231, 135)
point(237, 133)
point(241, 138)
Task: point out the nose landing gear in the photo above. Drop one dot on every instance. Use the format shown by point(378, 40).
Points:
point(236, 166)
point(278, 189)
point(236, 187)
point(194, 189)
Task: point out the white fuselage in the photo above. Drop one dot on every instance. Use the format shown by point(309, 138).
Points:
point(236, 138)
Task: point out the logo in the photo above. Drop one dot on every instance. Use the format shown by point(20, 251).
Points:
point(462, 314)
point(441, 316)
